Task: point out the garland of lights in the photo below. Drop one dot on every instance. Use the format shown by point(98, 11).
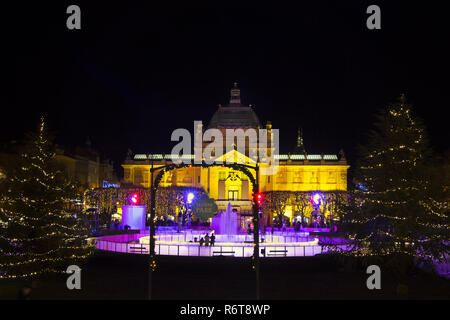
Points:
point(38, 234)
point(394, 209)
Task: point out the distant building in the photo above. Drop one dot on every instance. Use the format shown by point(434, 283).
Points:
point(82, 165)
point(85, 166)
point(6, 159)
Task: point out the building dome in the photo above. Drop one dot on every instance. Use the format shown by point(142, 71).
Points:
point(234, 117)
point(235, 114)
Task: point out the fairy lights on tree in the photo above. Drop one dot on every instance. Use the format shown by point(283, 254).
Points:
point(302, 202)
point(275, 202)
point(40, 233)
point(169, 200)
point(399, 209)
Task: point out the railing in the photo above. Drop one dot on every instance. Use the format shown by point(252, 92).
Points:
point(194, 249)
point(290, 230)
point(189, 237)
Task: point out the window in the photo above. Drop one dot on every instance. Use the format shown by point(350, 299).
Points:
point(222, 176)
point(146, 176)
point(282, 176)
point(233, 195)
point(314, 178)
point(331, 177)
point(127, 175)
point(298, 177)
point(138, 176)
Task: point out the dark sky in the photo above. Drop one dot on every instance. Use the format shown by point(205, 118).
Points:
point(135, 72)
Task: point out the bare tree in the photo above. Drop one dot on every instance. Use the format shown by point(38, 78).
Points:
point(302, 203)
point(275, 202)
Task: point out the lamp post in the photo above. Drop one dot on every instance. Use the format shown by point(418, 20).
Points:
point(151, 251)
point(316, 200)
point(189, 199)
point(256, 203)
point(179, 220)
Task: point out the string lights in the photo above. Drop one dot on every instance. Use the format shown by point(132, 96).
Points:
point(39, 231)
point(398, 207)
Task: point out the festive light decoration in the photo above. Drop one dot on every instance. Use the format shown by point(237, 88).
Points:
point(332, 204)
point(190, 197)
point(259, 198)
point(316, 199)
point(134, 198)
point(169, 200)
point(399, 208)
point(39, 231)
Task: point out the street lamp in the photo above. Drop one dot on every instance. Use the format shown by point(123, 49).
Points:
point(316, 199)
point(259, 202)
point(190, 197)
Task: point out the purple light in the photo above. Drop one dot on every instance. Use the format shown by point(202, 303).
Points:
point(190, 197)
point(316, 199)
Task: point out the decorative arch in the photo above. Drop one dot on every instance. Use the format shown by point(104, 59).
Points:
point(235, 166)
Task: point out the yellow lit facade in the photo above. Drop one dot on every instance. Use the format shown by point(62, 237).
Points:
point(297, 172)
point(226, 185)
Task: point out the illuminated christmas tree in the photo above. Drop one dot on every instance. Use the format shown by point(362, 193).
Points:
point(40, 231)
point(400, 210)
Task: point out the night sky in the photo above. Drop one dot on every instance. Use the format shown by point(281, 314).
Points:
point(135, 72)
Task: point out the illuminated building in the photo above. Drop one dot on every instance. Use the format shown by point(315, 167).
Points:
point(81, 164)
point(297, 172)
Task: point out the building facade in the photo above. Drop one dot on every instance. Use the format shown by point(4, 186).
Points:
point(80, 164)
point(85, 166)
point(297, 172)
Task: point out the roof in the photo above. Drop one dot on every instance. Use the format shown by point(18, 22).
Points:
point(234, 116)
point(294, 157)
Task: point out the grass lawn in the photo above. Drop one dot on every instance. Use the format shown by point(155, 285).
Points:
point(118, 276)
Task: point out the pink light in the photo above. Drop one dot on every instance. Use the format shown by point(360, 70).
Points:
point(134, 198)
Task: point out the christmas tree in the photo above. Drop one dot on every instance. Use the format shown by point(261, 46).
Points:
point(40, 232)
point(400, 209)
